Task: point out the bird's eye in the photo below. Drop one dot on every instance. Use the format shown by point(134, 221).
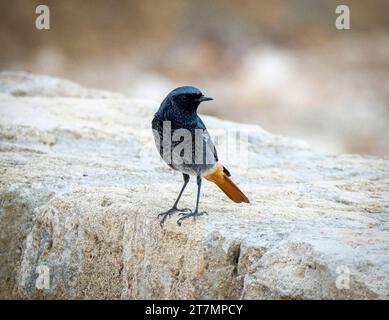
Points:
point(185, 98)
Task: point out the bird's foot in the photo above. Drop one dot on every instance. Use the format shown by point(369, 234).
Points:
point(190, 214)
point(164, 215)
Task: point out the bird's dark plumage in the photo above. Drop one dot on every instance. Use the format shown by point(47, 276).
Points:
point(185, 144)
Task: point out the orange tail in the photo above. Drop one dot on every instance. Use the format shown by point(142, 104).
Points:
point(219, 176)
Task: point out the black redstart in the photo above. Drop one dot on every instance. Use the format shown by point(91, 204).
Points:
point(185, 144)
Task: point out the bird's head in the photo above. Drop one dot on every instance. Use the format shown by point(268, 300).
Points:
point(186, 98)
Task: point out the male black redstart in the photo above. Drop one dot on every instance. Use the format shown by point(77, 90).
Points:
point(185, 144)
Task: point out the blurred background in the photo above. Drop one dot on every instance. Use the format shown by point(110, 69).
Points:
point(281, 64)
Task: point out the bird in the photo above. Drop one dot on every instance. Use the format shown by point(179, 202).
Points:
point(185, 144)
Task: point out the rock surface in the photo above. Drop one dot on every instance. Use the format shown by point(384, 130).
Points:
point(82, 183)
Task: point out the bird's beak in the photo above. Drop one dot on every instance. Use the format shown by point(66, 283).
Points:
point(204, 98)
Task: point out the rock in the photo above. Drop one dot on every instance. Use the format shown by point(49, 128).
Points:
point(82, 183)
point(21, 84)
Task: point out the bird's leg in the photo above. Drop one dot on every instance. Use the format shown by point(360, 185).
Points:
point(168, 213)
point(196, 213)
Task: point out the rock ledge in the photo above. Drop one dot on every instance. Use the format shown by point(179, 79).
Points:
point(81, 184)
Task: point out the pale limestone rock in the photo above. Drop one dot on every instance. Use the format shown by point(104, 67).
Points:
point(82, 183)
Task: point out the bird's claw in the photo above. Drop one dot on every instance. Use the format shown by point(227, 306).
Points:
point(191, 214)
point(182, 211)
point(168, 213)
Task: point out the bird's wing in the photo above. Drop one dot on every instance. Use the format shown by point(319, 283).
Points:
point(208, 143)
point(209, 147)
point(226, 172)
